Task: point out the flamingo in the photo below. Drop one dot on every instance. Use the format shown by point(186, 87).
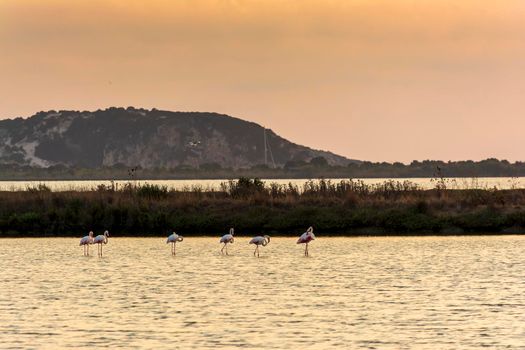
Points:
point(174, 238)
point(86, 241)
point(228, 238)
point(101, 239)
point(259, 240)
point(306, 238)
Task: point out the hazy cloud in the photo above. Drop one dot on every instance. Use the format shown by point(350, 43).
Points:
point(380, 80)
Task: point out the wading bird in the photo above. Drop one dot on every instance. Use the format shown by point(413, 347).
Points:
point(259, 240)
point(228, 238)
point(306, 238)
point(174, 238)
point(86, 241)
point(101, 239)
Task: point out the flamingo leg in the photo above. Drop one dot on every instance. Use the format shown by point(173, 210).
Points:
point(174, 248)
point(257, 251)
point(87, 248)
point(222, 249)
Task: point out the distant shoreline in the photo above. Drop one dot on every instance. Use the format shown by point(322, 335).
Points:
point(216, 184)
point(316, 168)
point(233, 177)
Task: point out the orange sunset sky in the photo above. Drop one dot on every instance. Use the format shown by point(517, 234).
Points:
point(379, 80)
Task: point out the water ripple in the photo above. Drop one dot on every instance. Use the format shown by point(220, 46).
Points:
point(362, 293)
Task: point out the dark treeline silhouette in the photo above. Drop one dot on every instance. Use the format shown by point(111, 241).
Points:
point(431, 168)
point(343, 207)
point(316, 168)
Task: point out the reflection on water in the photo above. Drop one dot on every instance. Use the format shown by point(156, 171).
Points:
point(426, 183)
point(385, 293)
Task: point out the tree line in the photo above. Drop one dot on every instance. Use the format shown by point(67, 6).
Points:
point(315, 168)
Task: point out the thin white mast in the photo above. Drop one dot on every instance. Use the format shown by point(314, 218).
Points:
point(265, 152)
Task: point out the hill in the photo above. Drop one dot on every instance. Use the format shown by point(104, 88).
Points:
point(147, 138)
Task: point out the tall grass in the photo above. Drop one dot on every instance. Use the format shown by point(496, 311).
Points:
point(335, 207)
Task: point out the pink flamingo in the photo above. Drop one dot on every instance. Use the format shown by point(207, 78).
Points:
point(174, 238)
point(101, 239)
point(227, 238)
point(306, 238)
point(86, 241)
point(259, 240)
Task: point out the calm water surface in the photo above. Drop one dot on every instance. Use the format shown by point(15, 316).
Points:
point(79, 185)
point(370, 293)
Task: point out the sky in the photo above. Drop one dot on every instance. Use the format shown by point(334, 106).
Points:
point(378, 80)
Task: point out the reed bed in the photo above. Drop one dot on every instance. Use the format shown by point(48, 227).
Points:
point(345, 207)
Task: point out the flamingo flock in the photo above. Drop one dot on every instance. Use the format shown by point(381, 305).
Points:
point(261, 240)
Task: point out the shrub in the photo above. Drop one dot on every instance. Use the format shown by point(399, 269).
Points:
point(152, 191)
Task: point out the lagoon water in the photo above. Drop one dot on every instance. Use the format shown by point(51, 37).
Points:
point(425, 183)
point(351, 293)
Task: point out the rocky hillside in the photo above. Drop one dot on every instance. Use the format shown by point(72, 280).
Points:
point(146, 138)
